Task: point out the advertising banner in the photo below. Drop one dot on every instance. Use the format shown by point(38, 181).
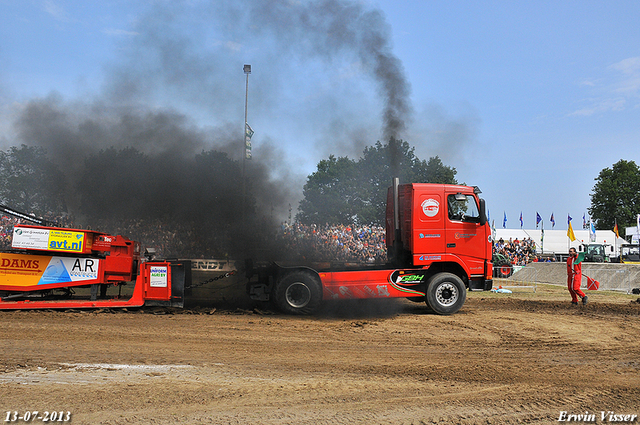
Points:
point(158, 277)
point(48, 239)
point(30, 270)
point(212, 265)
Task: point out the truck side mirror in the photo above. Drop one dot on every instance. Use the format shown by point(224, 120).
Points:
point(483, 212)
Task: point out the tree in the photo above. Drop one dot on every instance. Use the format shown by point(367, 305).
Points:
point(329, 195)
point(616, 196)
point(30, 182)
point(345, 191)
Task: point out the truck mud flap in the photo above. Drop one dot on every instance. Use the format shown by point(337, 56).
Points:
point(480, 285)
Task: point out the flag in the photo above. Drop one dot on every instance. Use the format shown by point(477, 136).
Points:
point(521, 222)
point(615, 229)
point(570, 233)
point(538, 219)
point(592, 231)
point(248, 133)
point(592, 284)
point(584, 222)
point(504, 221)
point(553, 221)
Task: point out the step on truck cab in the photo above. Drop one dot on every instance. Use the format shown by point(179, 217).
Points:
point(438, 245)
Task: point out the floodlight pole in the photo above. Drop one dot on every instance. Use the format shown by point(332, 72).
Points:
point(247, 71)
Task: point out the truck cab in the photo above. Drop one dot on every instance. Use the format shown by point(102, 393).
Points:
point(441, 227)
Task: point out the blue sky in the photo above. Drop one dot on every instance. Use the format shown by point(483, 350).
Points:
point(529, 101)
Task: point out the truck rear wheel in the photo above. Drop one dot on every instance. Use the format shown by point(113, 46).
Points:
point(446, 293)
point(298, 292)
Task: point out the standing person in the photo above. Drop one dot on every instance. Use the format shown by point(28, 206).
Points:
point(574, 278)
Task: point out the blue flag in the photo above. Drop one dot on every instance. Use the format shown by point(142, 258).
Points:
point(521, 222)
point(504, 222)
point(538, 219)
point(553, 221)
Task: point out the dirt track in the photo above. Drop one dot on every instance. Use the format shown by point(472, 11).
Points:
point(520, 358)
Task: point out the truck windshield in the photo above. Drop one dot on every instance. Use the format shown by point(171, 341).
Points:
point(630, 253)
point(463, 209)
point(595, 250)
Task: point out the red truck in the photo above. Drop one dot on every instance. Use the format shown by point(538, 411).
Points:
point(438, 243)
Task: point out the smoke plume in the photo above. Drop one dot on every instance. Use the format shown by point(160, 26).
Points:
point(177, 92)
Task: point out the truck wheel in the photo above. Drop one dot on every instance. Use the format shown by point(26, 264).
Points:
point(298, 292)
point(446, 293)
point(505, 270)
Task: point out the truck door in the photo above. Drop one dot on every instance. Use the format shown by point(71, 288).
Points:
point(428, 231)
point(465, 236)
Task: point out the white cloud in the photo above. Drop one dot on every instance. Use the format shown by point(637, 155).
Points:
point(56, 11)
point(119, 32)
point(604, 105)
point(614, 92)
point(233, 46)
point(230, 45)
point(629, 83)
point(629, 66)
point(589, 83)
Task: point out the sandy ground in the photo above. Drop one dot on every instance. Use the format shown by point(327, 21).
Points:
point(503, 359)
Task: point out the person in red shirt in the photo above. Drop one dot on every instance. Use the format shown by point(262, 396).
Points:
point(574, 278)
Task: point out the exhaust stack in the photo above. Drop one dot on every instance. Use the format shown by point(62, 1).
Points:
point(397, 240)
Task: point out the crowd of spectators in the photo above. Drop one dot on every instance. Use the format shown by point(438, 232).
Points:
point(296, 241)
point(344, 243)
point(518, 252)
point(6, 230)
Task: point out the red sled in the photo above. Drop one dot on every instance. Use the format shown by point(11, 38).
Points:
point(592, 284)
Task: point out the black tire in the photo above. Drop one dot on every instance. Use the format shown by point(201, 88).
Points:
point(505, 270)
point(298, 292)
point(446, 293)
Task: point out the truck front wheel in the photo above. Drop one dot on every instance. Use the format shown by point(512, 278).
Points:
point(298, 292)
point(446, 293)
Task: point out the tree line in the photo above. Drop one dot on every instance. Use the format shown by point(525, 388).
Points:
point(126, 183)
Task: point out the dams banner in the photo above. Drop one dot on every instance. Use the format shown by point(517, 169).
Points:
point(25, 271)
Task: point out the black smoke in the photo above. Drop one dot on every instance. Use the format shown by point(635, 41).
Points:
point(173, 101)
